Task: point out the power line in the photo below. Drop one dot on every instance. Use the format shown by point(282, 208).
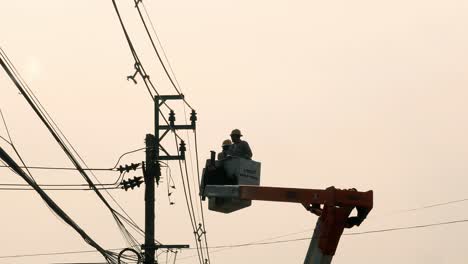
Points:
point(422, 226)
point(61, 168)
point(68, 149)
point(433, 205)
point(347, 234)
point(54, 206)
point(400, 211)
point(115, 184)
point(156, 50)
point(57, 189)
point(228, 247)
point(138, 66)
point(114, 168)
point(189, 202)
point(406, 227)
point(126, 153)
point(55, 253)
point(201, 205)
point(11, 140)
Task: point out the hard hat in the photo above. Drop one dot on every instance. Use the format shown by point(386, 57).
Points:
point(236, 132)
point(227, 142)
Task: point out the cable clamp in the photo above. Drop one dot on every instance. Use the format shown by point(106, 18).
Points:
point(137, 2)
point(137, 67)
point(200, 232)
point(132, 77)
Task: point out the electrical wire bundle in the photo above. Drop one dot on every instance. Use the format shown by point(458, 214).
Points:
point(116, 184)
point(74, 157)
point(198, 225)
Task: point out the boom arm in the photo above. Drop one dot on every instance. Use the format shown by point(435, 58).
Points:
point(334, 214)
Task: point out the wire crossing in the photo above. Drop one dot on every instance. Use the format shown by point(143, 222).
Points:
point(66, 147)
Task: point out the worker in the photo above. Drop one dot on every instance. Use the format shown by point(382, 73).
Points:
point(225, 152)
point(239, 148)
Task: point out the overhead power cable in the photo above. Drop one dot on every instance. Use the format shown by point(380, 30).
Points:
point(189, 203)
point(171, 79)
point(62, 168)
point(114, 168)
point(55, 253)
point(348, 234)
point(395, 212)
point(139, 68)
point(199, 198)
point(434, 205)
point(200, 230)
point(59, 137)
point(138, 65)
point(5, 157)
point(55, 189)
point(422, 226)
point(10, 142)
point(126, 153)
point(252, 244)
point(112, 185)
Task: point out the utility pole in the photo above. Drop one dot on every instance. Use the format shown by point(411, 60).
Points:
point(150, 176)
point(152, 169)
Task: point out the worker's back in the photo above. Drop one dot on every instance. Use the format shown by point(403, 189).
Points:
point(241, 149)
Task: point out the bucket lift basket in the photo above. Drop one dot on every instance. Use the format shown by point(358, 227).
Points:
point(229, 171)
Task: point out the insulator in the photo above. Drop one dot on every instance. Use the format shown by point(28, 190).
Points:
point(126, 185)
point(182, 149)
point(193, 117)
point(134, 166)
point(172, 117)
point(132, 183)
point(137, 181)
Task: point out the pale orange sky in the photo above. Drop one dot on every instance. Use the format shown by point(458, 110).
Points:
point(365, 94)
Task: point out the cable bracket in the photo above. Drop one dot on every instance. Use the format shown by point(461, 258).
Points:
point(137, 2)
point(200, 232)
point(137, 67)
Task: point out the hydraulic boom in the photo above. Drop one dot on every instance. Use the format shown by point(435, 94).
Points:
point(333, 206)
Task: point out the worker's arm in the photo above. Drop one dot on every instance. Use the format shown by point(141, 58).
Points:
point(246, 150)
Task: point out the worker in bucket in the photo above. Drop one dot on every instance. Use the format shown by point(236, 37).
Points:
point(239, 148)
point(225, 152)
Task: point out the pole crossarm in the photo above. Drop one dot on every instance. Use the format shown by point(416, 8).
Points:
point(173, 246)
point(161, 99)
point(177, 127)
point(171, 97)
point(177, 157)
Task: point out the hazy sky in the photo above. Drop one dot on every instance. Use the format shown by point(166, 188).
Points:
point(365, 94)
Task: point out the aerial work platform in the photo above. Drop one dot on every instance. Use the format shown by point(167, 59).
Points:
point(230, 171)
point(231, 185)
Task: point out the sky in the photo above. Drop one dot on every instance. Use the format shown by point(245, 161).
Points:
point(363, 94)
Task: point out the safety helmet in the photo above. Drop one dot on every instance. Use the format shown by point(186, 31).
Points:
point(227, 142)
point(236, 132)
